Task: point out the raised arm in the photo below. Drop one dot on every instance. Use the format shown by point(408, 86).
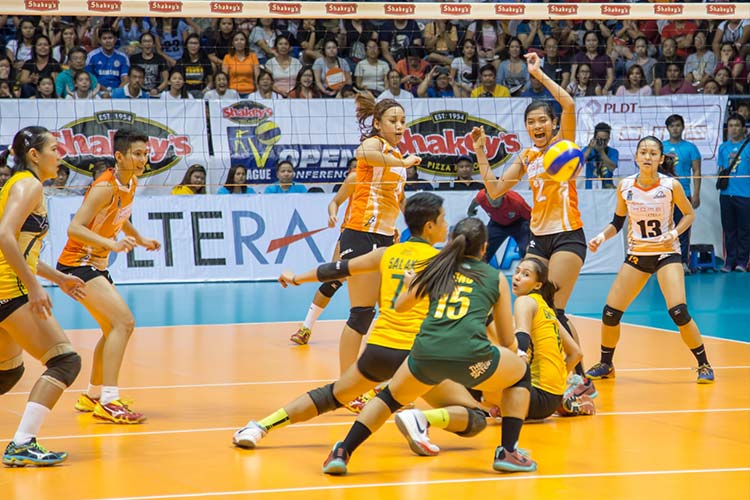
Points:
point(509, 178)
point(568, 118)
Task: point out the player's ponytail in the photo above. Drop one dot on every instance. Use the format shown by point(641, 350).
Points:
point(437, 278)
point(26, 139)
point(367, 110)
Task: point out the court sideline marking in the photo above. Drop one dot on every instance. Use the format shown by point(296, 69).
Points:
point(437, 482)
point(349, 423)
point(325, 381)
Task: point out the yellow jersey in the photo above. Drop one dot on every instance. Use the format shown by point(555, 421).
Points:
point(397, 330)
point(548, 370)
point(29, 238)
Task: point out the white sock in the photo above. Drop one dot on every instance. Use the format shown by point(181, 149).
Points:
point(312, 316)
point(109, 394)
point(31, 421)
point(94, 391)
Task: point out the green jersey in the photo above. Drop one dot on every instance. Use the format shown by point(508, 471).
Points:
point(454, 328)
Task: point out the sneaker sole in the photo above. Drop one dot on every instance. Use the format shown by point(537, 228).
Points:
point(117, 421)
point(703, 381)
point(299, 341)
point(246, 444)
point(83, 409)
point(335, 468)
point(414, 445)
point(23, 462)
point(507, 467)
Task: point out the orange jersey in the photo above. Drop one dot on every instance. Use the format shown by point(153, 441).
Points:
point(555, 206)
point(107, 223)
point(376, 202)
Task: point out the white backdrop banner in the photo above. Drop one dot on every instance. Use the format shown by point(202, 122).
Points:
point(231, 238)
point(85, 131)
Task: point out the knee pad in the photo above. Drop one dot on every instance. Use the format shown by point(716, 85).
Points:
point(360, 319)
point(680, 314)
point(611, 316)
point(477, 423)
point(387, 398)
point(524, 381)
point(63, 368)
point(329, 288)
point(324, 399)
point(9, 378)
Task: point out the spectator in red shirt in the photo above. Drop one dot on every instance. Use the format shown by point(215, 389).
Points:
point(682, 32)
point(509, 216)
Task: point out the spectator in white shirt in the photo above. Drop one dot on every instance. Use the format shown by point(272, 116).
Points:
point(394, 90)
point(177, 88)
point(370, 72)
point(221, 88)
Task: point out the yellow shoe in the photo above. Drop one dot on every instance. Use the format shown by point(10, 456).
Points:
point(357, 404)
point(301, 336)
point(85, 403)
point(117, 412)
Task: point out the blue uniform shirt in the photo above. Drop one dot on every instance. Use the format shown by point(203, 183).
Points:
point(109, 69)
point(738, 186)
point(683, 153)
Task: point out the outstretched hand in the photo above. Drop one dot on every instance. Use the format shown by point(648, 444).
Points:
point(478, 138)
point(534, 64)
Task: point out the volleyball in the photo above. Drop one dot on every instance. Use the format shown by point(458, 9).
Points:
point(268, 133)
point(563, 160)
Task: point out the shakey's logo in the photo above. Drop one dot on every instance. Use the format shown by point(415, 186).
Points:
point(615, 10)
point(667, 9)
point(452, 9)
point(341, 8)
point(399, 9)
point(442, 136)
point(504, 9)
point(83, 142)
point(165, 6)
point(42, 5)
point(226, 7)
point(567, 9)
point(104, 5)
point(720, 9)
point(284, 8)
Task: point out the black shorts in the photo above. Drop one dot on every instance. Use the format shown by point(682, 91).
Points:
point(542, 404)
point(649, 264)
point(567, 241)
point(378, 363)
point(9, 306)
point(355, 243)
point(86, 273)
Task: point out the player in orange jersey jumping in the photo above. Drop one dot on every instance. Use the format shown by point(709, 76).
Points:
point(556, 228)
point(92, 235)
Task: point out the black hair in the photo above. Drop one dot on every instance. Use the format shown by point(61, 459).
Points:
point(136, 67)
point(107, 29)
point(63, 168)
point(282, 162)
point(77, 49)
point(124, 138)
point(26, 139)
point(673, 118)
point(488, 67)
point(667, 166)
point(33, 47)
point(147, 33)
point(548, 289)
point(540, 104)
point(420, 209)
point(602, 127)
point(183, 90)
point(437, 278)
point(230, 184)
point(738, 117)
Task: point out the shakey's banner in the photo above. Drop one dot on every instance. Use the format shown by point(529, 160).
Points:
point(176, 132)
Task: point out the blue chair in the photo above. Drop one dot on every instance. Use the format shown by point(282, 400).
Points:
point(702, 257)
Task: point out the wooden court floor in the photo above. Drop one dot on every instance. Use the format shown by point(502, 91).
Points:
point(657, 433)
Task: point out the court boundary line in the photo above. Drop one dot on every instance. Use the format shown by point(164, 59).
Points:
point(325, 381)
point(437, 482)
point(304, 425)
point(296, 322)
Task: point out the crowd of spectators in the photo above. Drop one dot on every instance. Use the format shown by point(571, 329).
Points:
point(83, 57)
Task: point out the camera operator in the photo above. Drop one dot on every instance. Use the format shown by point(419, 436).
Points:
point(601, 160)
point(437, 83)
